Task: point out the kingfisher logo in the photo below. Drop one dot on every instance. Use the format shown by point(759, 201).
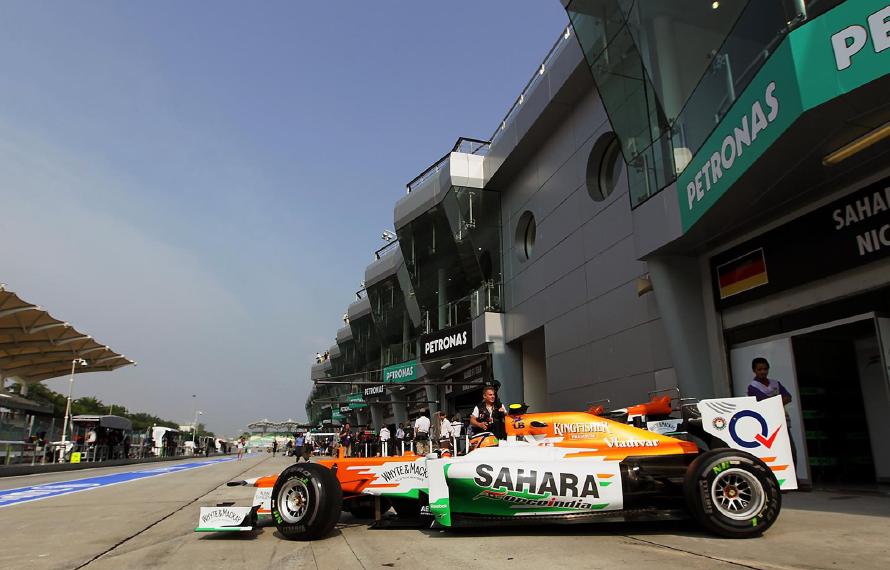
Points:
point(586, 427)
point(763, 438)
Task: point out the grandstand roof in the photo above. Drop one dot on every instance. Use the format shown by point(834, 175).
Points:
point(34, 346)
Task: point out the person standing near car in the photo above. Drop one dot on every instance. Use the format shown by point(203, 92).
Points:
point(299, 442)
point(422, 434)
point(489, 414)
point(384, 441)
point(444, 430)
point(308, 446)
point(457, 427)
point(763, 387)
point(346, 439)
point(400, 438)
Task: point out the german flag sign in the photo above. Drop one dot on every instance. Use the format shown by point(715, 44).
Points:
point(742, 274)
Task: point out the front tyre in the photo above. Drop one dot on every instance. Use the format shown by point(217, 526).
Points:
point(732, 493)
point(306, 501)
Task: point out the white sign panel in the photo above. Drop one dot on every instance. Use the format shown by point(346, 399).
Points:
point(760, 428)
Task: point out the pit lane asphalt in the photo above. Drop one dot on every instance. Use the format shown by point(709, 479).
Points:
point(149, 524)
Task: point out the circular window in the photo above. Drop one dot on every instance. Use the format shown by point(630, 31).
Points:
point(526, 231)
point(604, 167)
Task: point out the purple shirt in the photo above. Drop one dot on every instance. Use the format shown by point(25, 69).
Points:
point(761, 392)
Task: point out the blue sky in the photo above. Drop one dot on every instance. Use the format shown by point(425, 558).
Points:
point(201, 185)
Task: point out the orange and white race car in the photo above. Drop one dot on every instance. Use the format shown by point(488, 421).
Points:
point(724, 462)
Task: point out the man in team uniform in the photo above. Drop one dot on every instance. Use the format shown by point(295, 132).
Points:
point(489, 414)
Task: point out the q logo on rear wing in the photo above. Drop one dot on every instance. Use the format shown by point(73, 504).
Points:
point(760, 428)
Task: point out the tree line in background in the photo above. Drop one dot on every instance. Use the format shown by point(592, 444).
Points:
point(90, 405)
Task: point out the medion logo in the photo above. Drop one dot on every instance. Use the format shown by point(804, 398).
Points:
point(588, 427)
point(615, 442)
point(445, 343)
point(522, 480)
point(405, 469)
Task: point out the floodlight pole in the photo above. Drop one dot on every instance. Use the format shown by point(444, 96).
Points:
point(195, 427)
point(74, 363)
point(195, 423)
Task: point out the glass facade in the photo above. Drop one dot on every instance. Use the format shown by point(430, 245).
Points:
point(667, 72)
point(395, 328)
point(347, 360)
point(366, 346)
point(453, 257)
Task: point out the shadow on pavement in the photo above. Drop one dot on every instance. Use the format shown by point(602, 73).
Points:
point(226, 536)
point(636, 528)
point(333, 534)
point(839, 502)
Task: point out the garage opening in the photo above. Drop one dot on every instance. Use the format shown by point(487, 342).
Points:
point(838, 373)
point(836, 369)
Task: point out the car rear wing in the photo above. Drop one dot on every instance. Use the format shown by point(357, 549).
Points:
point(759, 428)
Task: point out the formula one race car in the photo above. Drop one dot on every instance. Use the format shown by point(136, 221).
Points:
point(723, 462)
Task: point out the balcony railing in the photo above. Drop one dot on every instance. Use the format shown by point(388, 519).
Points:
point(551, 56)
point(391, 247)
point(471, 146)
point(464, 145)
point(732, 68)
point(486, 299)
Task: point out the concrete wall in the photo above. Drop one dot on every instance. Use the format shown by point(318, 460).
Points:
point(534, 371)
point(602, 340)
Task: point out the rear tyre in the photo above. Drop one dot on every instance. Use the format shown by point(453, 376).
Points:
point(732, 493)
point(362, 507)
point(306, 501)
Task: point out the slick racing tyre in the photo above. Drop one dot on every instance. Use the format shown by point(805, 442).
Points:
point(732, 493)
point(306, 501)
point(362, 507)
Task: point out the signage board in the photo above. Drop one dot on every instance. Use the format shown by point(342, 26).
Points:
point(446, 341)
point(373, 390)
point(833, 54)
point(402, 372)
point(356, 401)
point(844, 234)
